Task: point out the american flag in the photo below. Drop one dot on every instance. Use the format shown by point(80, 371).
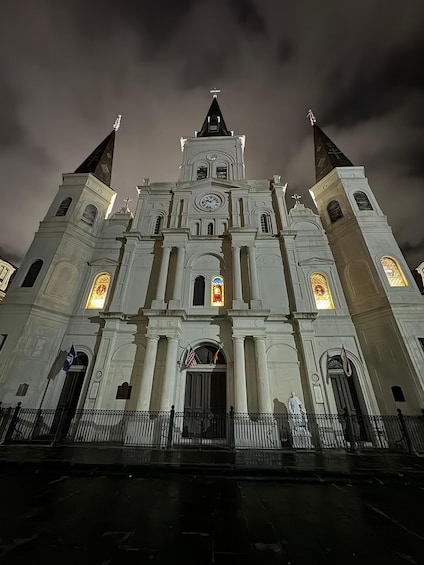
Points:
point(347, 368)
point(190, 359)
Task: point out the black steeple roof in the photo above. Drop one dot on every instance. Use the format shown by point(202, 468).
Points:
point(99, 162)
point(327, 155)
point(214, 123)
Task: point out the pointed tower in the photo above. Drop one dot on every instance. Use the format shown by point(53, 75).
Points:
point(48, 286)
point(99, 162)
point(383, 299)
point(214, 151)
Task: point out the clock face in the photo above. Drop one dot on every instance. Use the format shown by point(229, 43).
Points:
point(210, 202)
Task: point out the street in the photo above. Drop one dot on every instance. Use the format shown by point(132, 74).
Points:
point(52, 518)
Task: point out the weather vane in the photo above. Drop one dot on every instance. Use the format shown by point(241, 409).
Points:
point(117, 122)
point(215, 92)
point(311, 117)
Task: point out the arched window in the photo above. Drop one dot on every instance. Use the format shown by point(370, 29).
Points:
point(265, 223)
point(157, 226)
point(393, 272)
point(398, 394)
point(210, 228)
point(98, 293)
point(32, 273)
point(199, 291)
point(362, 200)
point(217, 291)
point(334, 211)
point(322, 295)
point(64, 207)
point(196, 228)
point(89, 214)
point(202, 172)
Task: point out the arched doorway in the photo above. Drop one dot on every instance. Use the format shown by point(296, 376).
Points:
point(205, 400)
point(346, 393)
point(69, 397)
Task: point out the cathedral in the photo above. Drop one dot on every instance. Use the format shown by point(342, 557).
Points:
point(215, 293)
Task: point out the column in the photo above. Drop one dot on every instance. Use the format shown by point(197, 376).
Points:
point(178, 284)
point(240, 392)
point(255, 301)
point(163, 275)
point(168, 384)
point(237, 289)
point(143, 402)
point(264, 400)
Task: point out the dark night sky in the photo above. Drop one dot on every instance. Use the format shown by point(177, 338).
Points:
point(68, 68)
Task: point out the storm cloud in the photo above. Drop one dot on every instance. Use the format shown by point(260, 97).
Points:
point(68, 68)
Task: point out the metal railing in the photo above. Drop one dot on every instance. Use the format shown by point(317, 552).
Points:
point(197, 429)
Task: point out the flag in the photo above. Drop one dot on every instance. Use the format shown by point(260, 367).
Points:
point(346, 363)
point(190, 359)
point(69, 359)
point(57, 364)
point(215, 356)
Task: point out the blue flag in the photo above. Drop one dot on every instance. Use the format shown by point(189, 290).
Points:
point(69, 359)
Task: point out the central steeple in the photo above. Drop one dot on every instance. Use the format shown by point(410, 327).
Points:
point(214, 152)
point(214, 123)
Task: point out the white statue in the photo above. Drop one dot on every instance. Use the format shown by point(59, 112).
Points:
point(298, 422)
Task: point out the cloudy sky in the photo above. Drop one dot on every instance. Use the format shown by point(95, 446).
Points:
point(68, 67)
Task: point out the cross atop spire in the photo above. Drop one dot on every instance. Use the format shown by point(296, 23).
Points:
point(215, 92)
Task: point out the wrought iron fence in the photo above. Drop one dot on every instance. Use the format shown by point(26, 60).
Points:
point(207, 429)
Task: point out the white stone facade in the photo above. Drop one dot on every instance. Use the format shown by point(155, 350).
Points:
point(272, 335)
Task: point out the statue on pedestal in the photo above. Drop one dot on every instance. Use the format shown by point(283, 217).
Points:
point(298, 421)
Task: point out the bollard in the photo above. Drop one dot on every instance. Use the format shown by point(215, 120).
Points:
point(171, 427)
point(13, 422)
point(231, 437)
point(349, 431)
point(404, 430)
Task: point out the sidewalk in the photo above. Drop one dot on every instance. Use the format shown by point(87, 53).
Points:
point(307, 466)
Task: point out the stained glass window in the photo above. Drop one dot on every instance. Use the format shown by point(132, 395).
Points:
point(393, 272)
point(99, 292)
point(217, 291)
point(199, 291)
point(322, 295)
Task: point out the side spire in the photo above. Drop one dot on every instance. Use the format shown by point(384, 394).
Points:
point(99, 162)
point(327, 155)
point(214, 123)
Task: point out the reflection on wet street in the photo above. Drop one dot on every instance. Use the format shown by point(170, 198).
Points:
point(51, 518)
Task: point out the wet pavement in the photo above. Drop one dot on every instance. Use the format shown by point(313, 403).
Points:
point(49, 517)
point(318, 466)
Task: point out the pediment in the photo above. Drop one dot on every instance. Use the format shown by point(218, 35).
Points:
point(315, 261)
point(103, 262)
point(207, 184)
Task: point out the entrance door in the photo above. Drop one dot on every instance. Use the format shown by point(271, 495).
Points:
point(205, 405)
point(70, 394)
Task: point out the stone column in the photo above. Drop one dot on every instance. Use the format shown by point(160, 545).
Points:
point(237, 288)
point(240, 392)
point(168, 384)
point(178, 284)
point(255, 301)
point(143, 402)
point(159, 301)
point(262, 379)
